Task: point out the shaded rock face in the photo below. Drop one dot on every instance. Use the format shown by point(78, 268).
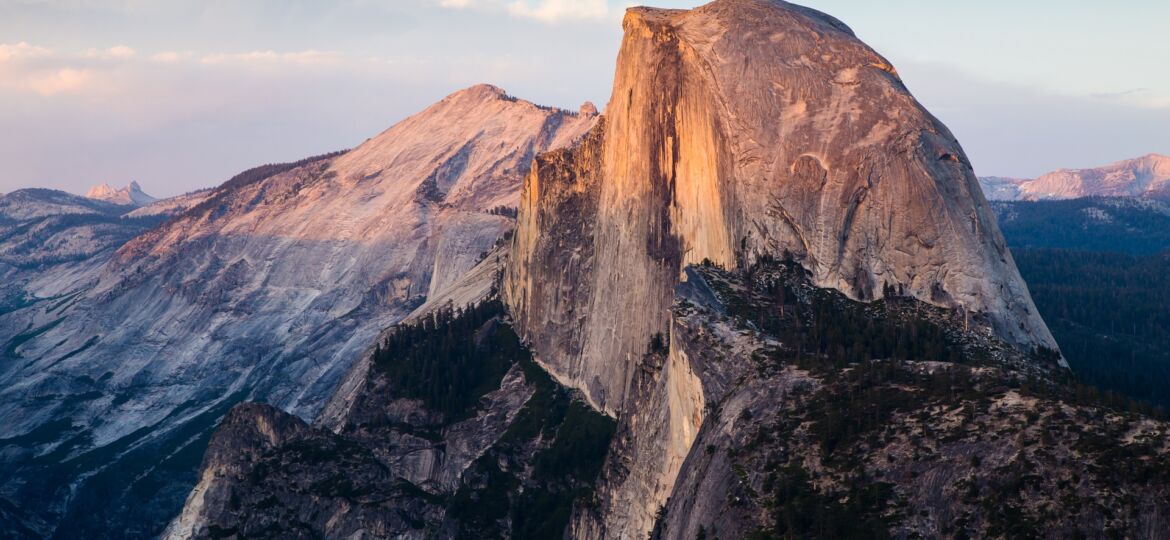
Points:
point(740, 128)
point(1147, 176)
point(268, 288)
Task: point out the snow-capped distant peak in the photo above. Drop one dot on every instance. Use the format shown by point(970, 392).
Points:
point(132, 194)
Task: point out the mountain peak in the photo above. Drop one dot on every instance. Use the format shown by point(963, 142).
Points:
point(1156, 158)
point(132, 194)
point(483, 91)
point(746, 12)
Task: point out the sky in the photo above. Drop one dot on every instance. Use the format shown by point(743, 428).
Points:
point(182, 94)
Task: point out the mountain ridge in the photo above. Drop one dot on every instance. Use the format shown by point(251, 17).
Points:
point(265, 289)
point(1145, 176)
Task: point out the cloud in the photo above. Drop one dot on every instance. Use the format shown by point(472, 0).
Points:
point(1137, 97)
point(117, 52)
point(22, 50)
point(548, 11)
point(308, 57)
point(170, 57)
point(30, 68)
point(557, 10)
point(107, 73)
point(62, 81)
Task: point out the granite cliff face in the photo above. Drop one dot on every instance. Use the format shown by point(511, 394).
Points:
point(267, 288)
point(1147, 176)
point(740, 128)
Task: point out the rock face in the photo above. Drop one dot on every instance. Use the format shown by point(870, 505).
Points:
point(736, 129)
point(131, 195)
point(1147, 176)
point(268, 288)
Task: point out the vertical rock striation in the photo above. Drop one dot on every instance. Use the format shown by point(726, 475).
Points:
point(740, 128)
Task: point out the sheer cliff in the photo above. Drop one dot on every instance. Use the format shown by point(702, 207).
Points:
point(736, 129)
point(268, 288)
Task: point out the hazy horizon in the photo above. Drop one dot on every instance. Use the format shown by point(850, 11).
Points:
point(182, 95)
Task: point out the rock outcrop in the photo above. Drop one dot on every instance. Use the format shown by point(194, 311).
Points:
point(268, 288)
point(1147, 176)
point(131, 195)
point(741, 128)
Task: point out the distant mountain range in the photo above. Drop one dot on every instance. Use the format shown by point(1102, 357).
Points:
point(1146, 176)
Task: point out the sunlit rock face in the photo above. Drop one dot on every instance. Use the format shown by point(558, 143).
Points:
point(268, 288)
point(740, 128)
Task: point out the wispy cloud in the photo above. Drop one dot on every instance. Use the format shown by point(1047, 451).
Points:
point(1138, 97)
point(62, 81)
point(117, 52)
point(40, 70)
point(548, 11)
point(171, 57)
point(29, 68)
point(308, 57)
point(22, 50)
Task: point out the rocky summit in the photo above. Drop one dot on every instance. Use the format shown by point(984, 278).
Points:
point(741, 128)
point(131, 195)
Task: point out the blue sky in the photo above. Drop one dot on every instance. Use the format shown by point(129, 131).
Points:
point(181, 94)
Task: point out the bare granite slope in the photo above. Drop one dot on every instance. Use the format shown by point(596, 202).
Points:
point(268, 288)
